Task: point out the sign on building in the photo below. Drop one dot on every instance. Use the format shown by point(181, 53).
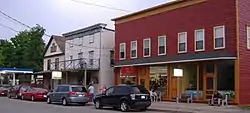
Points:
point(56, 75)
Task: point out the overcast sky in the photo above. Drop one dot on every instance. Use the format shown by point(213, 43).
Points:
point(60, 16)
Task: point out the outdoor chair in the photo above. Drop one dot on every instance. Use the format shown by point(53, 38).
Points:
point(159, 96)
point(213, 102)
point(225, 101)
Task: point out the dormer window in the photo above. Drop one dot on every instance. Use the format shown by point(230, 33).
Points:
point(53, 48)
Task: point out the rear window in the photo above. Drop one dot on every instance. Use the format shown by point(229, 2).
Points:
point(139, 89)
point(78, 89)
point(40, 89)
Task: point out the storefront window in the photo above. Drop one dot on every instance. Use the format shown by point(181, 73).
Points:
point(158, 79)
point(128, 79)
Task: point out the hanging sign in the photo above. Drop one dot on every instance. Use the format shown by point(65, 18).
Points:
point(178, 72)
point(56, 75)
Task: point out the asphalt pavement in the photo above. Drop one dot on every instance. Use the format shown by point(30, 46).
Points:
point(22, 106)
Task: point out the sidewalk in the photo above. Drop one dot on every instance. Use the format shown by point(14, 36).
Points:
point(193, 108)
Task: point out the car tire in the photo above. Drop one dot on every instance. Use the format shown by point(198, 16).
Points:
point(64, 102)
point(124, 106)
point(48, 100)
point(22, 98)
point(98, 104)
point(32, 98)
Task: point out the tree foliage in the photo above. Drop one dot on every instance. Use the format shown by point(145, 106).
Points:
point(25, 49)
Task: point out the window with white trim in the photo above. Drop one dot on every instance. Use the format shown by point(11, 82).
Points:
point(200, 40)
point(248, 37)
point(161, 45)
point(146, 47)
point(182, 42)
point(91, 38)
point(122, 51)
point(133, 49)
point(219, 37)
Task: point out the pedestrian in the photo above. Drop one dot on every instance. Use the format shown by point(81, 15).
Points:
point(103, 89)
point(91, 90)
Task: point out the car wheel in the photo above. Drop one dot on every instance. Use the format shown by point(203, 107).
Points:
point(22, 97)
point(48, 100)
point(98, 104)
point(32, 98)
point(124, 106)
point(64, 102)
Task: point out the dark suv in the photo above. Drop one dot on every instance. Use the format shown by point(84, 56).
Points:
point(124, 97)
point(68, 94)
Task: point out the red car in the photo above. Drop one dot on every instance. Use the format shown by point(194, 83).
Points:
point(3, 91)
point(35, 94)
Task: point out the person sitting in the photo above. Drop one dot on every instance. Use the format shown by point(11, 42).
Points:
point(216, 98)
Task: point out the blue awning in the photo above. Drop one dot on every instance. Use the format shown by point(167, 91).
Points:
point(16, 70)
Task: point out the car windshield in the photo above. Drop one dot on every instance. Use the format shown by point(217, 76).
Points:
point(139, 89)
point(79, 89)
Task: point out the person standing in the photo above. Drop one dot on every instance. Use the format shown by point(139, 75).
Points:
point(91, 91)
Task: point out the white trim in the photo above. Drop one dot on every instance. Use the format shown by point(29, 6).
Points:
point(185, 33)
point(135, 49)
point(195, 40)
point(248, 37)
point(224, 42)
point(179, 61)
point(124, 51)
point(147, 39)
point(165, 44)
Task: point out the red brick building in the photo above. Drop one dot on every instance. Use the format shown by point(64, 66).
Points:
point(208, 39)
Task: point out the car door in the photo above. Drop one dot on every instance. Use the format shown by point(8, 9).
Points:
point(52, 94)
point(27, 94)
point(108, 95)
point(62, 92)
point(120, 91)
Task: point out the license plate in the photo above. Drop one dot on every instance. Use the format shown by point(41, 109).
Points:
point(45, 96)
point(143, 97)
point(80, 95)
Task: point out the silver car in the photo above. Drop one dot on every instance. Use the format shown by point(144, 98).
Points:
point(68, 94)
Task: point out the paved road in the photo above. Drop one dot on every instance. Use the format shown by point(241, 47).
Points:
point(20, 106)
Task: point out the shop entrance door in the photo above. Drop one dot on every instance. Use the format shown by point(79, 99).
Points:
point(209, 84)
point(143, 77)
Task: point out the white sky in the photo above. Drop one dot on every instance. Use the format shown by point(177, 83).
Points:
point(60, 16)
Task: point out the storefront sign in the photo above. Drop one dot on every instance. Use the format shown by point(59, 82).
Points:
point(56, 75)
point(128, 71)
point(178, 72)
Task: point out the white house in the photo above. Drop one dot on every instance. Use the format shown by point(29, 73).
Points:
point(89, 51)
point(53, 55)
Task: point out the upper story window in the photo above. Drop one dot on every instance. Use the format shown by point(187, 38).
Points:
point(53, 48)
point(112, 57)
point(133, 50)
point(91, 38)
point(162, 45)
point(146, 47)
point(219, 37)
point(48, 64)
point(248, 37)
point(80, 40)
point(200, 40)
point(182, 42)
point(122, 54)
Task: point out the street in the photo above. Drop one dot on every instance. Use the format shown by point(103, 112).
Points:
point(20, 106)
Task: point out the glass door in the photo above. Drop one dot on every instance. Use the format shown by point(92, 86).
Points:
point(209, 80)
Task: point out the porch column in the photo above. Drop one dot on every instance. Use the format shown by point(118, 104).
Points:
point(198, 79)
point(13, 79)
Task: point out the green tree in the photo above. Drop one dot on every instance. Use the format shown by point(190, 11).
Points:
point(2, 42)
point(25, 49)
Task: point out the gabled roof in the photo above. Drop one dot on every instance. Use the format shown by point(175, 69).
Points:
point(60, 41)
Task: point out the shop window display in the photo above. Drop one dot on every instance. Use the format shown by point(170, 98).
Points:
point(158, 83)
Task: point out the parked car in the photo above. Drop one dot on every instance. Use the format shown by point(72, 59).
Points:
point(3, 91)
point(68, 94)
point(17, 91)
point(124, 97)
point(35, 94)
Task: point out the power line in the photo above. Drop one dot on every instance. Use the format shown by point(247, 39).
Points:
point(19, 22)
point(8, 28)
point(107, 7)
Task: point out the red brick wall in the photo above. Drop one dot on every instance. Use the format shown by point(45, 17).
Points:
point(205, 15)
point(244, 54)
